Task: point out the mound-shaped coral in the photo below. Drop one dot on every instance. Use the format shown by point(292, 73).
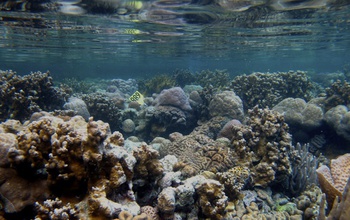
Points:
point(299, 114)
point(339, 119)
point(227, 104)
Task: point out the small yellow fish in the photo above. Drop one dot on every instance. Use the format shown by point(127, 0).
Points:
point(137, 97)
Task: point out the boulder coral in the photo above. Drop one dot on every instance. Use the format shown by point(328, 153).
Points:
point(339, 119)
point(175, 97)
point(300, 114)
point(227, 104)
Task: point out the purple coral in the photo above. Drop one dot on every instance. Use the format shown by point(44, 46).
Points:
point(174, 97)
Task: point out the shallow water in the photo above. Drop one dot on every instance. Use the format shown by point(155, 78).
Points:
point(123, 39)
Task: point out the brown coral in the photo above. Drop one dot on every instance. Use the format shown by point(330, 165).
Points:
point(333, 180)
point(234, 180)
point(263, 144)
point(212, 199)
point(268, 89)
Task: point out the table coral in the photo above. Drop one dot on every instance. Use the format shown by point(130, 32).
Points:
point(264, 145)
point(333, 180)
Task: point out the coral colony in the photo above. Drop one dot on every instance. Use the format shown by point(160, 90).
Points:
point(258, 146)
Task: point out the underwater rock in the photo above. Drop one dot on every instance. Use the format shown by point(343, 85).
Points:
point(339, 119)
point(226, 104)
point(175, 97)
point(79, 106)
point(300, 114)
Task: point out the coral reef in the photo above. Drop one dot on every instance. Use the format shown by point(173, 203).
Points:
point(73, 158)
point(310, 201)
point(218, 79)
point(21, 96)
point(234, 180)
point(228, 104)
point(105, 106)
point(127, 87)
point(333, 180)
point(299, 114)
point(78, 106)
point(264, 145)
point(304, 165)
point(55, 209)
point(340, 209)
point(339, 119)
point(337, 94)
point(175, 97)
point(268, 89)
point(200, 151)
point(156, 84)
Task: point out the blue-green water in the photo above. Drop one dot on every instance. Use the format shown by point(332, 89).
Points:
point(123, 39)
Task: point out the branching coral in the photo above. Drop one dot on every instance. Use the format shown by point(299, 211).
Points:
point(337, 94)
point(20, 96)
point(263, 144)
point(268, 89)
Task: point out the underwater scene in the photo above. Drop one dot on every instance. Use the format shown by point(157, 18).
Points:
point(175, 109)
